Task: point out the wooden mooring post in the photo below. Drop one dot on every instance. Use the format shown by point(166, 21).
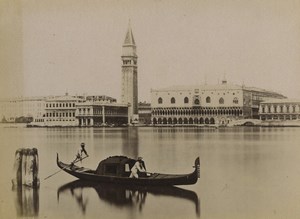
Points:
point(26, 168)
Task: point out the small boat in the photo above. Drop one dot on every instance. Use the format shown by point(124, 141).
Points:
point(116, 169)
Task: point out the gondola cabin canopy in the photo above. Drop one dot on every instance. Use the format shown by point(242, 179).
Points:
point(115, 166)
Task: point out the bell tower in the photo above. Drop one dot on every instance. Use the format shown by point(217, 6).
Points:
point(130, 77)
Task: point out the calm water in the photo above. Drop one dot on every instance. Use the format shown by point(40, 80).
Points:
point(245, 173)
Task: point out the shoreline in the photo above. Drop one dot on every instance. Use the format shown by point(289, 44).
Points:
point(214, 126)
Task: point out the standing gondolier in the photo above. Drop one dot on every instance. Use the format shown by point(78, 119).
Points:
point(79, 154)
point(78, 158)
point(83, 150)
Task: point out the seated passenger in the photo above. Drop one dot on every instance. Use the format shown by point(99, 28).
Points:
point(139, 166)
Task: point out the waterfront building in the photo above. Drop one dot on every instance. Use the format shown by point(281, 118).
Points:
point(280, 110)
point(207, 104)
point(144, 113)
point(60, 111)
point(92, 110)
point(34, 107)
point(22, 109)
point(101, 111)
point(130, 77)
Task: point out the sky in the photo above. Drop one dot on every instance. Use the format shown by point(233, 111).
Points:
point(50, 47)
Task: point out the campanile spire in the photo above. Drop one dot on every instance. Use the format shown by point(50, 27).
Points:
point(129, 39)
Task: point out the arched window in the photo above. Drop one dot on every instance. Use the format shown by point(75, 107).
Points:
point(172, 100)
point(201, 120)
point(236, 100)
point(160, 100)
point(207, 99)
point(186, 100)
point(221, 100)
point(180, 120)
point(197, 102)
point(206, 121)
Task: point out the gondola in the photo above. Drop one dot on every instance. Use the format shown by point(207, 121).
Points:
point(116, 169)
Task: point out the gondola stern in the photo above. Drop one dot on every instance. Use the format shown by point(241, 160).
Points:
point(57, 158)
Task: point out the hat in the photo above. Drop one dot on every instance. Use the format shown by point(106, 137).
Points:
point(82, 144)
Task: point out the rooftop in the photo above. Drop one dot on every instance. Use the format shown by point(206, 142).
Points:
point(282, 101)
point(210, 87)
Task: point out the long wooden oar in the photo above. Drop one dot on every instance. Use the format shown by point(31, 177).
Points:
point(75, 161)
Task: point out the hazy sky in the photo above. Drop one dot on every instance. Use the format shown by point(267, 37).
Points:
point(75, 45)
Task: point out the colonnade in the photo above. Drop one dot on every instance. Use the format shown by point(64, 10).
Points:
point(203, 115)
point(203, 111)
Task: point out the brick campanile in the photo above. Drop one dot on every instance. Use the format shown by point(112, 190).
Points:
point(130, 76)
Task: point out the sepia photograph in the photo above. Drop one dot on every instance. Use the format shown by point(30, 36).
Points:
point(141, 109)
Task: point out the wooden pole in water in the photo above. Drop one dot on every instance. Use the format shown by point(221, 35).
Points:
point(26, 167)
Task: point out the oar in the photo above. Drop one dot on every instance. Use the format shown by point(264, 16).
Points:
point(75, 161)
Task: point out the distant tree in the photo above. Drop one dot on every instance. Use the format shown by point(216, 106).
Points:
point(23, 119)
point(3, 119)
point(19, 119)
point(29, 119)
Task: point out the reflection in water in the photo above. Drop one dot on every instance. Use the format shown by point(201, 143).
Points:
point(26, 201)
point(130, 144)
point(124, 196)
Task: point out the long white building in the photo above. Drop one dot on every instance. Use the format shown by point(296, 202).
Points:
point(207, 104)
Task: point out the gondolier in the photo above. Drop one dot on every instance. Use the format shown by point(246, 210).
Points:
point(83, 150)
point(78, 157)
point(138, 167)
point(79, 154)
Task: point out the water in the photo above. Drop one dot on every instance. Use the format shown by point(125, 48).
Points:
point(246, 172)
